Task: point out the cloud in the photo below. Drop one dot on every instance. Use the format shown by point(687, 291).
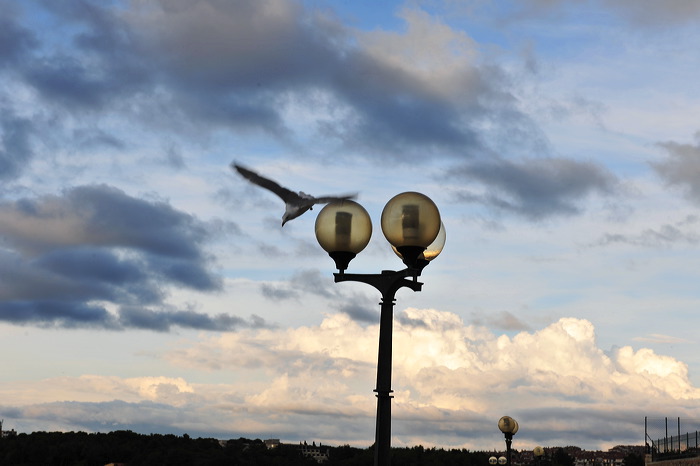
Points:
point(682, 167)
point(102, 66)
point(262, 66)
point(661, 338)
point(504, 320)
point(651, 13)
point(15, 40)
point(360, 308)
point(535, 188)
point(300, 283)
point(15, 143)
point(667, 235)
point(640, 13)
point(452, 382)
point(97, 257)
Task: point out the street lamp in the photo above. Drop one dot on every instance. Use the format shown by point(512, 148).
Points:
point(539, 453)
point(411, 223)
point(509, 427)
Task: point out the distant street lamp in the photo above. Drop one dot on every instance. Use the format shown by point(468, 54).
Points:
point(539, 453)
point(411, 223)
point(509, 427)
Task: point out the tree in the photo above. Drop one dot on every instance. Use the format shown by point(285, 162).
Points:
point(562, 458)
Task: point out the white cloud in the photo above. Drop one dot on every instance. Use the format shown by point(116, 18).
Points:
point(444, 372)
point(442, 59)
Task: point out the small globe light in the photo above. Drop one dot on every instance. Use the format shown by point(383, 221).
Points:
point(508, 425)
point(502, 460)
point(410, 222)
point(432, 251)
point(538, 451)
point(343, 229)
point(493, 460)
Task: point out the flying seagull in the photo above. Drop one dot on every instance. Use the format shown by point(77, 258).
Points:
point(295, 203)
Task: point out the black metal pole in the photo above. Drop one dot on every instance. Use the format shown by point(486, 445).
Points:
point(387, 283)
point(509, 440)
point(382, 437)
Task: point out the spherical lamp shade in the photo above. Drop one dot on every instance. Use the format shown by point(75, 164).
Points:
point(343, 229)
point(508, 425)
point(493, 460)
point(538, 451)
point(433, 250)
point(502, 460)
point(410, 222)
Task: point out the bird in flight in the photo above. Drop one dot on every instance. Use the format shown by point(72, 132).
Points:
point(295, 203)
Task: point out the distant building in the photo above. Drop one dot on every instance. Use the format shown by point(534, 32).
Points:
point(272, 443)
point(6, 433)
point(315, 452)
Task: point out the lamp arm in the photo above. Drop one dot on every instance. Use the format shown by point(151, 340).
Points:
point(387, 283)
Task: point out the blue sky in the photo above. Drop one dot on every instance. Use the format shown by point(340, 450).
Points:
point(146, 286)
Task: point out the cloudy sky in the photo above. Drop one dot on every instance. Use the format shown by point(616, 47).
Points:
point(145, 286)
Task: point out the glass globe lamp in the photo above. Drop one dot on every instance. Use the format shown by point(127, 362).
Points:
point(508, 425)
point(343, 229)
point(431, 252)
point(410, 222)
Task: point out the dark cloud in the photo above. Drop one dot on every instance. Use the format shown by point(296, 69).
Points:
point(278, 293)
point(682, 232)
point(56, 313)
point(641, 13)
point(652, 14)
point(103, 64)
point(212, 64)
point(588, 425)
point(504, 320)
point(535, 188)
point(90, 138)
point(360, 309)
point(682, 167)
point(15, 40)
point(100, 215)
point(235, 64)
point(69, 258)
point(139, 317)
point(15, 143)
point(301, 283)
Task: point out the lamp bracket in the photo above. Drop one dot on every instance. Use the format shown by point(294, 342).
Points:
point(387, 283)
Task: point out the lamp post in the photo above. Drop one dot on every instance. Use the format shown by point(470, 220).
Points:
point(509, 427)
point(539, 453)
point(411, 223)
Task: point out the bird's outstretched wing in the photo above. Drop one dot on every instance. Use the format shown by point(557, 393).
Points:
point(327, 199)
point(266, 183)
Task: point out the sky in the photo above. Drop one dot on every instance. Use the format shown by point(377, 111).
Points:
point(146, 286)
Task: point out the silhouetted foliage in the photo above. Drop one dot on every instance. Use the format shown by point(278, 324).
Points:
point(633, 459)
point(99, 449)
point(562, 458)
point(83, 449)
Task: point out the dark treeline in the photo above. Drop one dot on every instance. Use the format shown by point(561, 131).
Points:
point(99, 449)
